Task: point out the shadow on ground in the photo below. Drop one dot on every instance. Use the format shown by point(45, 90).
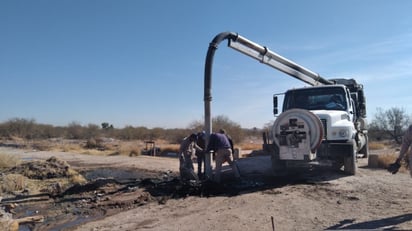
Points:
point(384, 224)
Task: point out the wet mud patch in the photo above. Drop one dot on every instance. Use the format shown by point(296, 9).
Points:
point(103, 197)
point(109, 191)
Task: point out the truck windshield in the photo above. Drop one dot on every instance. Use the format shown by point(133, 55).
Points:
point(325, 98)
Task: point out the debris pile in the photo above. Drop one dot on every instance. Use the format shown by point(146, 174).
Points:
point(51, 168)
point(7, 222)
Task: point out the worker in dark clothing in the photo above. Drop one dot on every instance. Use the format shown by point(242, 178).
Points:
point(220, 144)
point(200, 155)
point(223, 131)
point(404, 153)
point(188, 149)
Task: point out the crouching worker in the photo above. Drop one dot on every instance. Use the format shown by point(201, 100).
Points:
point(220, 145)
point(188, 149)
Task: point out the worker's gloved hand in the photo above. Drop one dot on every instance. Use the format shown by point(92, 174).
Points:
point(394, 168)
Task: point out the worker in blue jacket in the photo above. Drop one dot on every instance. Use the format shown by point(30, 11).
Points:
point(222, 146)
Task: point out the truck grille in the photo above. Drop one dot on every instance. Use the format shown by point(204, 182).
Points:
point(325, 128)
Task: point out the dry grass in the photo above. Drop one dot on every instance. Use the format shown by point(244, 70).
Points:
point(388, 157)
point(12, 183)
point(75, 177)
point(8, 160)
point(170, 148)
point(387, 154)
point(69, 147)
point(376, 145)
point(128, 149)
point(249, 146)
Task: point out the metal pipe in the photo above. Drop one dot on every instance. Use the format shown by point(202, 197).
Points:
point(266, 56)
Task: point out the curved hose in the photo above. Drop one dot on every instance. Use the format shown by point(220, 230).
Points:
point(208, 75)
point(208, 89)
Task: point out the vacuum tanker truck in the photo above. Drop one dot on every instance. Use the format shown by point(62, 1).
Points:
point(323, 122)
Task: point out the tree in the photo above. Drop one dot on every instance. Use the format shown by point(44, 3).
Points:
point(391, 122)
point(19, 127)
point(74, 131)
point(107, 126)
point(92, 131)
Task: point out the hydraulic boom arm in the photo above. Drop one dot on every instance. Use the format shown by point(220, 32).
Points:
point(264, 55)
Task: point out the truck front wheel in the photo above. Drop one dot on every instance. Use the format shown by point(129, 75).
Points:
point(349, 163)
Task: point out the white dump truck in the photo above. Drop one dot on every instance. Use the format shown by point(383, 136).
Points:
point(323, 123)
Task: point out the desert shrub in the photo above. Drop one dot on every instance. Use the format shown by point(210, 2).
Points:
point(129, 149)
point(22, 128)
point(8, 160)
point(70, 147)
point(74, 131)
point(12, 183)
point(134, 152)
point(92, 130)
point(94, 143)
point(27, 129)
point(41, 145)
point(75, 177)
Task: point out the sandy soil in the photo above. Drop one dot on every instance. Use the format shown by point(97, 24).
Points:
point(316, 200)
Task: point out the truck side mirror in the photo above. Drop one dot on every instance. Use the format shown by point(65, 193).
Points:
point(275, 105)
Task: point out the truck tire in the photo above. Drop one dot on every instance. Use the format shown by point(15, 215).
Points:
point(349, 163)
point(365, 149)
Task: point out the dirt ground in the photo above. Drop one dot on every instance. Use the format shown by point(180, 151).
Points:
point(144, 193)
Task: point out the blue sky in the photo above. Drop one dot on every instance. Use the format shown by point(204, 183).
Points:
point(141, 62)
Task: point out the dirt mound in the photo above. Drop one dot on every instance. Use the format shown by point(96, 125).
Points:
point(51, 168)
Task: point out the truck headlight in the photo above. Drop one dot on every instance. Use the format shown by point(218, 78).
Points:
point(345, 117)
point(343, 133)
